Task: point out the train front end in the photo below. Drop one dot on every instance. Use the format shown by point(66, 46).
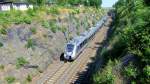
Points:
point(69, 53)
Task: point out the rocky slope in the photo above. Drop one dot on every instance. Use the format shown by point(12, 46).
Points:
point(28, 49)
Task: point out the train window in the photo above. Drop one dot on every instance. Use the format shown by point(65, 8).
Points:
point(70, 47)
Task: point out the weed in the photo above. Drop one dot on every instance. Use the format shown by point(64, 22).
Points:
point(29, 78)
point(1, 44)
point(10, 79)
point(21, 61)
point(53, 26)
point(2, 67)
point(33, 30)
point(63, 29)
point(30, 43)
point(3, 31)
point(53, 10)
point(45, 24)
point(27, 20)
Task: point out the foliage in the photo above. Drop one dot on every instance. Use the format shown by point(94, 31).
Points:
point(2, 67)
point(106, 76)
point(29, 78)
point(33, 30)
point(30, 44)
point(50, 25)
point(45, 24)
point(21, 61)
point(10, 79)
point(1, 44)
point(132, 24)
point(3, 31)
point(130, 71)
point(95, 3)
point(53, 10)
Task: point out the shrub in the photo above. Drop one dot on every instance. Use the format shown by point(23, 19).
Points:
point(105, 76)
point(33, 30)
point(1, 67)
point(3, 31)
point(29, 78)
point(130, 71)
point(21, 62)
point(10, 79)
point(1, 44)
point(31, 12)
point(45, 24)
point(63, 29)
point(30, 43)
point(147, 71)
point(53, 27)
point(27, 20)
point(53, 10)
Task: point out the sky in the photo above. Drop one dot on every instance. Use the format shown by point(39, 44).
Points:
point(108, 3)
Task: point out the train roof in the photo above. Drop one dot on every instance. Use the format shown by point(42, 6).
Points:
point(78, 40)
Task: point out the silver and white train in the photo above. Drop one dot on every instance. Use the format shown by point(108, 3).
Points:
point(74, 47)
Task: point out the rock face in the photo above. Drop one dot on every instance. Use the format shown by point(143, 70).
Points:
point(38, 45)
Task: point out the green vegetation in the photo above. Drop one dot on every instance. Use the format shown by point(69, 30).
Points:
point(131, 37)
point(21, 61)
point(105, 76)
point(3, 31)
point(29, 78)
point(30, 43)
point(10, 79)
point(95, 3)
point(50, 25)
point(33, 30)
point(130, 71)
point(2, 67)
point(1, 44)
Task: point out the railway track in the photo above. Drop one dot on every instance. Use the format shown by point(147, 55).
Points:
point(67, 73)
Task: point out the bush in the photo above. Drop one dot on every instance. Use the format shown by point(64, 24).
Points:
point(1, 67)
point(21, 62)
point(29, 78)
point(27, 20)
point(31, 12)
point(53, 10)
point(105, 76)
point(1, 44)
point(147, 71)
point(30, 44)
point(33, 30)
point(3, 31)
point(45, 24)
point(53, 27)
point(10, 79)
point(130, 71)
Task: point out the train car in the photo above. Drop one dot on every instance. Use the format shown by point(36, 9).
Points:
point(74, 47)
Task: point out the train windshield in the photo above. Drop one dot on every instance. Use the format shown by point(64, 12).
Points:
point(70, 47)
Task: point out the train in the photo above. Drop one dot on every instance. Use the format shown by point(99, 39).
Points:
point(75, 46)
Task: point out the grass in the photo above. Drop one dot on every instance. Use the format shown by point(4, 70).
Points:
point(21, 61)
point(10, 79)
